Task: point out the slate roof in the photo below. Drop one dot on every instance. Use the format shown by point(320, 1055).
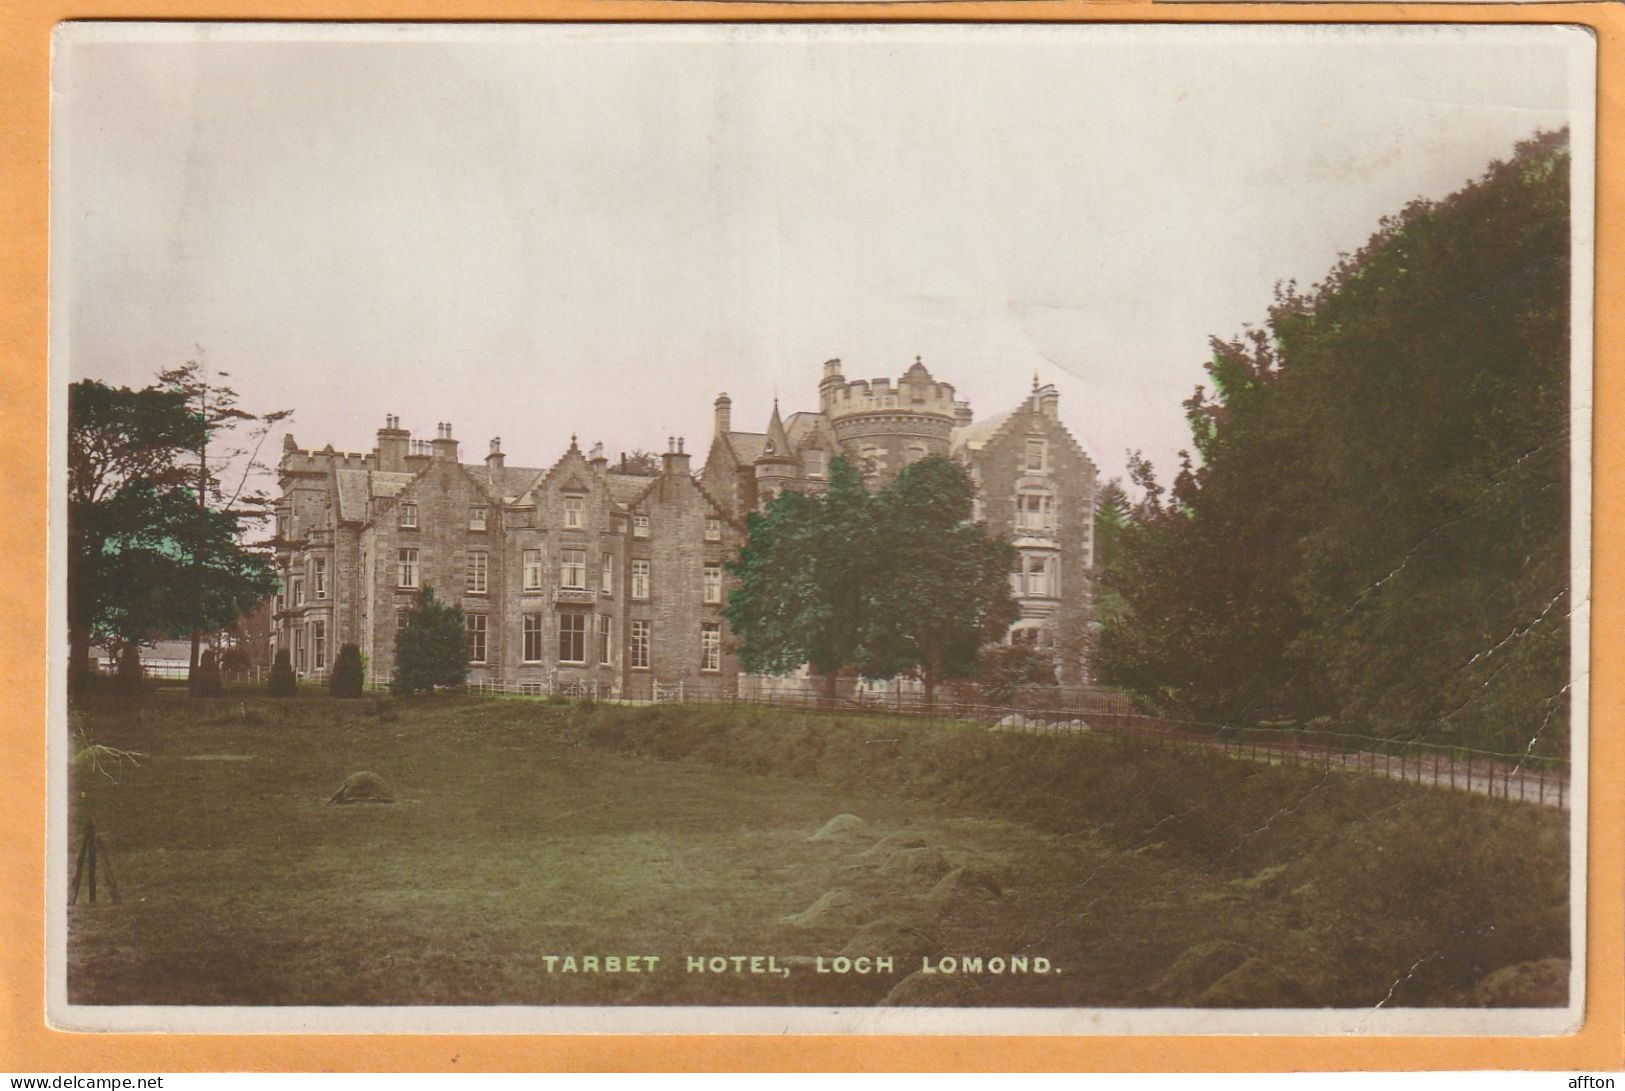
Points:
point(625, 489)
point(748, 446)
point(973, 436)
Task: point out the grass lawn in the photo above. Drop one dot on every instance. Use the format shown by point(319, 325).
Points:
point(522, 830)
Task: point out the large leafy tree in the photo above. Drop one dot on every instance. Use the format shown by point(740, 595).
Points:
point(429, 648)
point(145, 557)
point(804, 578)
point(899, 582)
point(1375, 527)
point(941, 589)
point(123, 452)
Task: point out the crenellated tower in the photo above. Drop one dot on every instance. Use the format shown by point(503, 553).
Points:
point(881, 427)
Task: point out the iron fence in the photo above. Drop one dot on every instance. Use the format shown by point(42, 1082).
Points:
point(1109, 716)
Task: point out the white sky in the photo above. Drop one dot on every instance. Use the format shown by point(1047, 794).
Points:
point(534, 231)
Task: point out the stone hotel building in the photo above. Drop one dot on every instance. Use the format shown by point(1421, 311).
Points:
point(577, 579)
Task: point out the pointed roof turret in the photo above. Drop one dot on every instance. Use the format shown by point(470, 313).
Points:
point(777, 447)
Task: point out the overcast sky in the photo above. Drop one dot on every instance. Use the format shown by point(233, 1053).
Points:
point(537, 231)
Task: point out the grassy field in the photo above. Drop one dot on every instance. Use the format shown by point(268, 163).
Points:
point(522, 830)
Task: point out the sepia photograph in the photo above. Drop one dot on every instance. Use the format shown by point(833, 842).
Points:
point(820, 528)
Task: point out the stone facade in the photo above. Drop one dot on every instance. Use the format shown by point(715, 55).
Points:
point(579, 580)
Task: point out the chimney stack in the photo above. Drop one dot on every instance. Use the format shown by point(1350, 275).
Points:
point(493, 466)
point(393, 441)
point(598, 460)
point(724, 414)
point(444, 448)
point(1047, 402)
point(675, 460)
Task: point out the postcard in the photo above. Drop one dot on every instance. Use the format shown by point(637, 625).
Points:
point(1070, 529)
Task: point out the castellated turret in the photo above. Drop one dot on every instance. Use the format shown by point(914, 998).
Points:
point(882, 428)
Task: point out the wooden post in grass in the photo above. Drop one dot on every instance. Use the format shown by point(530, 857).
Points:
point(85, 867)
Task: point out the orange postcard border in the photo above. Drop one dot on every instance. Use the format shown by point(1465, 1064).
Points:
point(27, 1044)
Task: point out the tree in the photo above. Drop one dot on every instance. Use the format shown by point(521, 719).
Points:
point(639, 462)
point(347, 677)
point(281, 683)
point(149, 554)
point(940, 589)
point(221, 452)
point(803, 580)
point(205, 680)
point(123, 447)
point(429, 648)
point(1375, 524)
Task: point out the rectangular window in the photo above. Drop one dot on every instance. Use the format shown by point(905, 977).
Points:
point(318, 645)
point(401, 613)
point(476, 518)
point(606, 643)
point(640, 579)
point(572, 636)
point(299, 649)
point(1035, 511)
point(533, 569)
point(318, 572)
point(406, 568)
point(479, 565)
point(409, 513)
point(640, 526)
point(713, 583)
point(533, 638)
point(299, 591)
point(476, 638)
point(815, 464)
point(710, 646)
point(572, 511)
point(713, 530)
point(573, 569)
point(606, 577)
point(640, 645)
point(1035, 455)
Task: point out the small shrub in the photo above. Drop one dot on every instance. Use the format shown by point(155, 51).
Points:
point(205, 677)
point(131, 678)
point(282, 683)
point(346, 679)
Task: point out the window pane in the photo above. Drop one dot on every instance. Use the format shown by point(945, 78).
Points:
point(572, 637)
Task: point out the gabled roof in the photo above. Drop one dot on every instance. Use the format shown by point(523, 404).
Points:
point(973, 437)
point(514, 481)
point(747, 446)
point(802, 427)
point(628, 489)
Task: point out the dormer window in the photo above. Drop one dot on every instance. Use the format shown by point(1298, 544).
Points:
point(1036, 453)
point(409, 513)
point(572, 511)
point(815, 463)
